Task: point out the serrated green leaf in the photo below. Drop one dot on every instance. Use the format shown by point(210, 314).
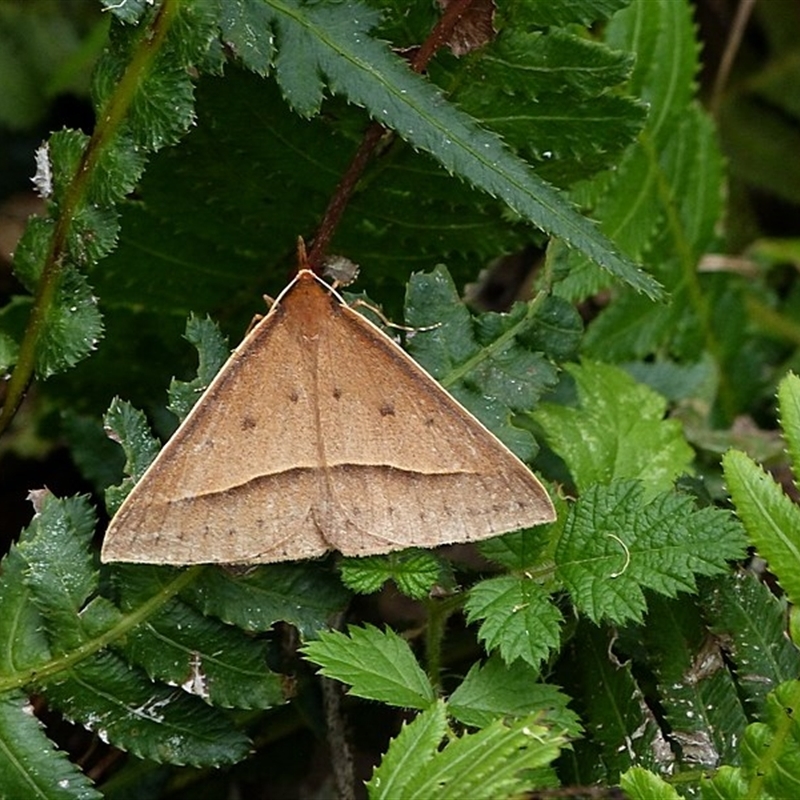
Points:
point(615, 544)
point(641, 784)
point(698, 694)
point(501, 760)
point(620, 729)
point(72, 325)
point(751, 620)
point(180, 646)
point(334, 41)
point(618, 431)
point(212, 350)
point(789, 404)
point(128, 426)
point(544, 14)
point(378, 665)
point(727, 784)
point(518, 618)
point(772, 520)
point(484, 363)
point(414, 572)
point(150, 720)
point(630, 202)
point(496, 690)
point(518, 550)
point(61, 574)
point(771, 749)
point(23, 643)
point(30, 766)
point(566, 139)
point(304, 595)
point(413, 747)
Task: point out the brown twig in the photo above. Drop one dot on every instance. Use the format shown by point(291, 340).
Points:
point(729, 55)
point(438, 37)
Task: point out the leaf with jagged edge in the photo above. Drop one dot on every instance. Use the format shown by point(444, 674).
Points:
point(641, 784)
point(692, 163)
point(516, 617)
point(618, 431)
point(583, 11)
point(484, 363)
point(789, 404)
point(30, 765)
point(501, 760)
point(744, 613)
point(620, 729)
point(377, 664)
point(61, 574)
point(180, 646)
point(334, 41)
point(305, 595)
point(630, 202)
point(771, 748)
point(414, 572)
point(559, 106)
point(496, 690)
point(212, 350)
point(128, 426)
point(698, 694)
point(412, 748)
point(771, 518)
point(151, 720)
point(615, 544)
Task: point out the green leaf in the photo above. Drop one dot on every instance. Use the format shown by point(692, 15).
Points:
point(213, 351)
point(518, 618)
point(333, 41)
point(23, 643)
point(411, 749)
point(72, 325)
point(152, 721)
point(414, 572)
point(486, 364)
point(129, 427)
point(744, 613)
point(180, 646)
point(631, 201)
point(771, 749)
point(583, 11)
point(698, 694)
point(618, 431)
point(615, 544)
point(772, 520)
point(620, 729)
point(501, 760)
point(641, 784)
point(567, 139)
point(728, 784)
point(31, 767)
point(495, 690)
point(519, 550)
point(379, 665)
point(61, 574)
point(789, 404)
point(305, 595)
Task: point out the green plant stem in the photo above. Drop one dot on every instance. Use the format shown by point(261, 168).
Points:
point(33, 676)
point(438, 612)
point(109, 120)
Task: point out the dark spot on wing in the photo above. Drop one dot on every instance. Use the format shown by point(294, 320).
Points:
point(387, 410)
point(337, 392)
point(294, 396)
point(248, 423)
